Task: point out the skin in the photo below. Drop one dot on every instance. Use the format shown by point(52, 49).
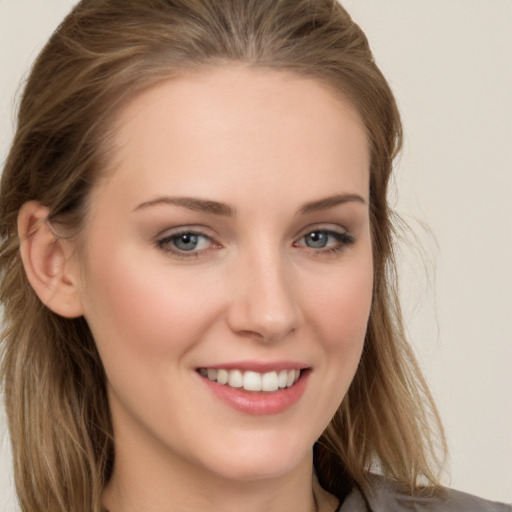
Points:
point(263, 143)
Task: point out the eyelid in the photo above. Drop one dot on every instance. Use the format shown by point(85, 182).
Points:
point(342, 236)
point(185, 228)
point(323, 227)
point(163, 241)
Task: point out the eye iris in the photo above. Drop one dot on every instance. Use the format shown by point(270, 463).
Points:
point(186, 242)
point(316, 239)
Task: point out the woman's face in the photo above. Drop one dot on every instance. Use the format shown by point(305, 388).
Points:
point(230, 241)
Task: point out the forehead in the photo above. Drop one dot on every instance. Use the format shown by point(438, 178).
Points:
point(218, 130)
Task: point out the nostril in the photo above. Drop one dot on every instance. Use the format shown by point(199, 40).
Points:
point(263, 306)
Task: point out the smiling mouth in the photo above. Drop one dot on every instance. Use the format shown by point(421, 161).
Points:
point(253, 381)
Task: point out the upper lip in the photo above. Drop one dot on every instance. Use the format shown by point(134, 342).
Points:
point(258, 366)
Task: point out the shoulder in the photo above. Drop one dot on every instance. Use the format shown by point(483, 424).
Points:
point(386, 496)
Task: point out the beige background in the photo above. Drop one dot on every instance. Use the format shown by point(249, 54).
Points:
point(450, 65)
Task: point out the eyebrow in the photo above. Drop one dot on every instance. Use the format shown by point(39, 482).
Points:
point(191, 203)
point(330, 202)
point(216, 208)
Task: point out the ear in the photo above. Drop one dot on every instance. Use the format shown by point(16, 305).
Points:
point(47, 261)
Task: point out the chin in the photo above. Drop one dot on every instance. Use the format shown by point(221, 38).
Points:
point(261, 461)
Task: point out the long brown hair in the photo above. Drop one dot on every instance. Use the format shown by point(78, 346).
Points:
point(104, 53)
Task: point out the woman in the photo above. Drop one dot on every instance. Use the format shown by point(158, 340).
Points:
point(197, 268)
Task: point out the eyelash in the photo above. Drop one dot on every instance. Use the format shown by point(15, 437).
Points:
point(342, 241)
point(166, 243)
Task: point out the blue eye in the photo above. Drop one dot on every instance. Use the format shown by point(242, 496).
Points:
point(185, 242)
point(317, 239)
point(323, 241)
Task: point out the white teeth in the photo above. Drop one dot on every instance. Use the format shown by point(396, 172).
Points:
point(252, 381)
point(282, 378)
point(222, 376)
point(269, 382)
point(235, 379)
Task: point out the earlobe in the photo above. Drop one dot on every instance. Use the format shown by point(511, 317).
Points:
point(46, 261)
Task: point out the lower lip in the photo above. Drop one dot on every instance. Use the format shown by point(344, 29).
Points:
point(259, 403)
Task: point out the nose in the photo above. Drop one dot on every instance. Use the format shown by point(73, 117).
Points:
point(264, 304)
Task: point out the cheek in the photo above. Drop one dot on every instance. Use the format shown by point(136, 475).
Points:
point(340, 309)
point(145, 309)
point(338, 319)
